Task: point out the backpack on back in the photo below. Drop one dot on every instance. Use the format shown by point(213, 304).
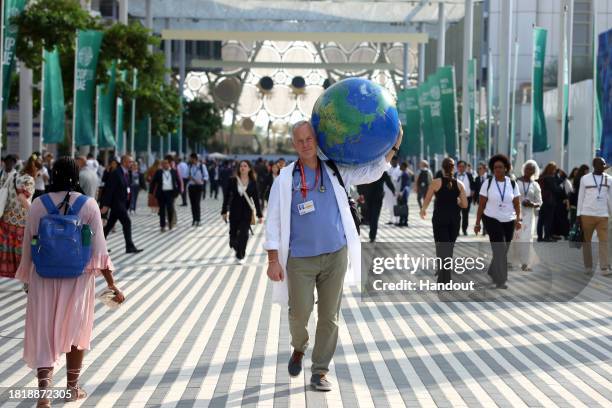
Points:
point(62, 248)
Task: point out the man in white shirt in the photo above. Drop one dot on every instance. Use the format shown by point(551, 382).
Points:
point(183, 171)
point(467, 180)
point(390, 199)
point(88, 179)
point(593, 210)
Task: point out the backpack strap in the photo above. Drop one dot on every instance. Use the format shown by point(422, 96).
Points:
point(75, 208)
point(48, 203)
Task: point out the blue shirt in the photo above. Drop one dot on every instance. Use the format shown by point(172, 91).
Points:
point(318, 232)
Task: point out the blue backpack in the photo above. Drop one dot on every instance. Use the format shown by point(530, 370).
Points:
point(62, 247)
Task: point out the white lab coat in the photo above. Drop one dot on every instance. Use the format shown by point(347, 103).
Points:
point(389, 200)
point(278, 219)
point(521, 246)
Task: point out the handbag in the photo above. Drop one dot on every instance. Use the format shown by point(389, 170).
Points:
point(351, 202)
point(4, 191)
point(251, 204)
point(400, 210)
point(576, 238)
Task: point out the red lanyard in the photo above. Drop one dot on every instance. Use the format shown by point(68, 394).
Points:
point(304, 187)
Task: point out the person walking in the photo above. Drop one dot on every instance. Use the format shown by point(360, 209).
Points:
point(531, 199)
point(116, 198)
point(13, 221)
point(150, 173)
point(41, 179)
point(183, 172)
point(500, 210)
point(390, 199)
point(88, 179)
point(374, 196)
point(405, 182)
point(241, 200)
point(467, 180)
point(423, 181)
point(550, 193)
point(166, 187)
point(213, 171)
point(8, 170)
point(137, 182)
point(310, 237)
point(450, 199)
point(198, 175)
point(593, 211)
point(60, 312)
point(573, 198)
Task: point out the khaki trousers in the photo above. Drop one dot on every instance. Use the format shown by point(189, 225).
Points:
point(326, 273)
point(589, 225)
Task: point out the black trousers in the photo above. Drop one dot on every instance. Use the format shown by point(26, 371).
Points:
point(500, 236)
point(465, 214)
point(120, 214)
point(445, 231)
point(195, 196)
point(214, 188)
point(374, 207)
point(166, 206)
point(420, 198)
point(184, 192)
point(239, 235)
point(546, 220)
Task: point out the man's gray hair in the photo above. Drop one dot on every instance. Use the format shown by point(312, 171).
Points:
point(297, 125)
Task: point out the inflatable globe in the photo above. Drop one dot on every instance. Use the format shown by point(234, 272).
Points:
point(356, 121)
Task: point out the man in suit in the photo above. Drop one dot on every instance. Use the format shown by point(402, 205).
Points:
point(479, 180)
point(166, 185)
point(116, 198)
point(468, 182)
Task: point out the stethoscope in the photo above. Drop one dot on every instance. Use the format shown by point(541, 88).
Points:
point(298, 167)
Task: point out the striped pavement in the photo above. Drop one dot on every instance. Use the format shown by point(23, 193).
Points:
point(198, 330)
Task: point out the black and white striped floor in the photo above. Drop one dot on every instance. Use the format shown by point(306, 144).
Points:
point(198, 330)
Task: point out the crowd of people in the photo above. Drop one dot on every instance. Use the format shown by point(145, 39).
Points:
point(312, 227)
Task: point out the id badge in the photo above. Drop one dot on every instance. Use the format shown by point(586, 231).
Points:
point(306, 207)
point(502, 206)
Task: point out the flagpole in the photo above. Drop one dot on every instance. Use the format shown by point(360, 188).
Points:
point(560, 85)
point(489, 100)
point(530, 133)
point(1, 69)
point(97, 123)
point(133, 119)
point(42, 105)
point(118, 135)
point(148, 140)
point(595, 98)
point(513, 105)
point(74, 97)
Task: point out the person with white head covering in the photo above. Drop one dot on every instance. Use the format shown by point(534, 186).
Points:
point(531, 198)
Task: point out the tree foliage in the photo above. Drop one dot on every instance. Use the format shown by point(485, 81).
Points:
point(53, 24)
point(201, 121)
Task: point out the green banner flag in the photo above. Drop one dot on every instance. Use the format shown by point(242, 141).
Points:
point(106, 111)
point(410, 116)
point(448, 96)
point(87, 50)
point(597, 92)
point(142, 135)
point(538, 121)
point(438, 142)
point(472, 100)
point(12, 8)
point(425, 113)
point(54, 109)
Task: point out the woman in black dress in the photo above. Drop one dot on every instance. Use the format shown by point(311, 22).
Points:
point(450, 199)
point(240, 198)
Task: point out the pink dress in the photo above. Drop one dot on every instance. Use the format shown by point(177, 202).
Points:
point(60, 312)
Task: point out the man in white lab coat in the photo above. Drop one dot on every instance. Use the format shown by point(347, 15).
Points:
point(312, 241)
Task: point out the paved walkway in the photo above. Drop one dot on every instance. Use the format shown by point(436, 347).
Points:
point(198, 330)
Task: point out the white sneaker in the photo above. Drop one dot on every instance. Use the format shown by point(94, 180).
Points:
point(239, 261)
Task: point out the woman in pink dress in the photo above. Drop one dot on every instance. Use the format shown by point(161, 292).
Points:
point(60, 312)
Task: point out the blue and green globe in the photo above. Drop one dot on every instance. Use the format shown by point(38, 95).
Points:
point(356, 121)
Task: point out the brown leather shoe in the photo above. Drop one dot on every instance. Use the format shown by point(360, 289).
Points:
point(295, 363)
